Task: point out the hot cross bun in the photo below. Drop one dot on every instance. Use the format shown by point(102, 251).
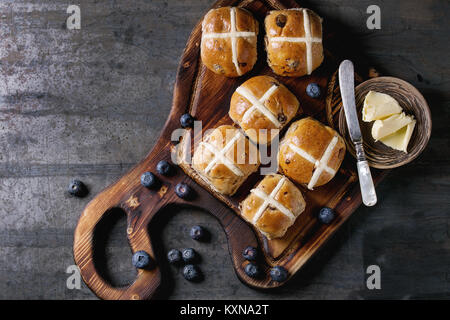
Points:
point(293, 41)
point(310, 153)
point(262, 103)
point(225, 158)
point(273, 206)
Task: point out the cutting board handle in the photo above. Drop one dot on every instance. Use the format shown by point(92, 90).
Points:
point(141, 205)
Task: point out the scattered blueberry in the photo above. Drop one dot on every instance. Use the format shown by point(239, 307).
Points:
point(326, 215)
point(192, 272)
point(174, 256)
point(278, 274)
point(77, 188)
point(183, 191)
point(141, 259)
point(164, 167)
point(313, 90)
point(149, 180)
point(252, 270)
point(250, 253)
point(186, 120)
point(198, 233)
point(189, 255)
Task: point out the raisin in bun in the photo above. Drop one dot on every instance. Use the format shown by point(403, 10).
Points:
point(229, 41)
point(262, 103)
point(273, 206)
point(225, 158)
point(293, 41)
point(310, 153)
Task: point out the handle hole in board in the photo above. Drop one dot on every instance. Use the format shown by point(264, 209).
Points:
point(112, 253)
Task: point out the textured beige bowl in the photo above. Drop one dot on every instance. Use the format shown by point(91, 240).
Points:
point(379, 155)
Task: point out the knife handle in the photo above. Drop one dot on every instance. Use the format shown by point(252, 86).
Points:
point(369, 196)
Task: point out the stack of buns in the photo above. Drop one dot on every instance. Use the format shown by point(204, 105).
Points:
point(310, 153)
point(293, 41)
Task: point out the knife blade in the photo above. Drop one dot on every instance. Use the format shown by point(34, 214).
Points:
point(347, 87)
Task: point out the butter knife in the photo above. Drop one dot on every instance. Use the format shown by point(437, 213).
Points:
point(347, 85)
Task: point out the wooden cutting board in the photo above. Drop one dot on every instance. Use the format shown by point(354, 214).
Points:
point(206, 96)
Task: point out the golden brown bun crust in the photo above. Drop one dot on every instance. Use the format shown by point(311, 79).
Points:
point(289, 58)
point(217, 54)
point(273, 223)
point(282, 104)
point(313, 137)
point(221, 177)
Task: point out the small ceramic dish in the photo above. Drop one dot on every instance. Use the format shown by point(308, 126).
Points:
point(413, 103)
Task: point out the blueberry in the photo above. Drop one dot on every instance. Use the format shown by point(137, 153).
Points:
point(149, 180)
point(252, 270)
point(189, 255)
point(163, 167)
point(186, 120)
point(198, 233)
point(141, 259)
point(174, 256)
point(278, 274)
point(313, 90)
point(77, 188)
point(184, 191)
point(326, 215)
point(192, 272)
point(250, 253)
